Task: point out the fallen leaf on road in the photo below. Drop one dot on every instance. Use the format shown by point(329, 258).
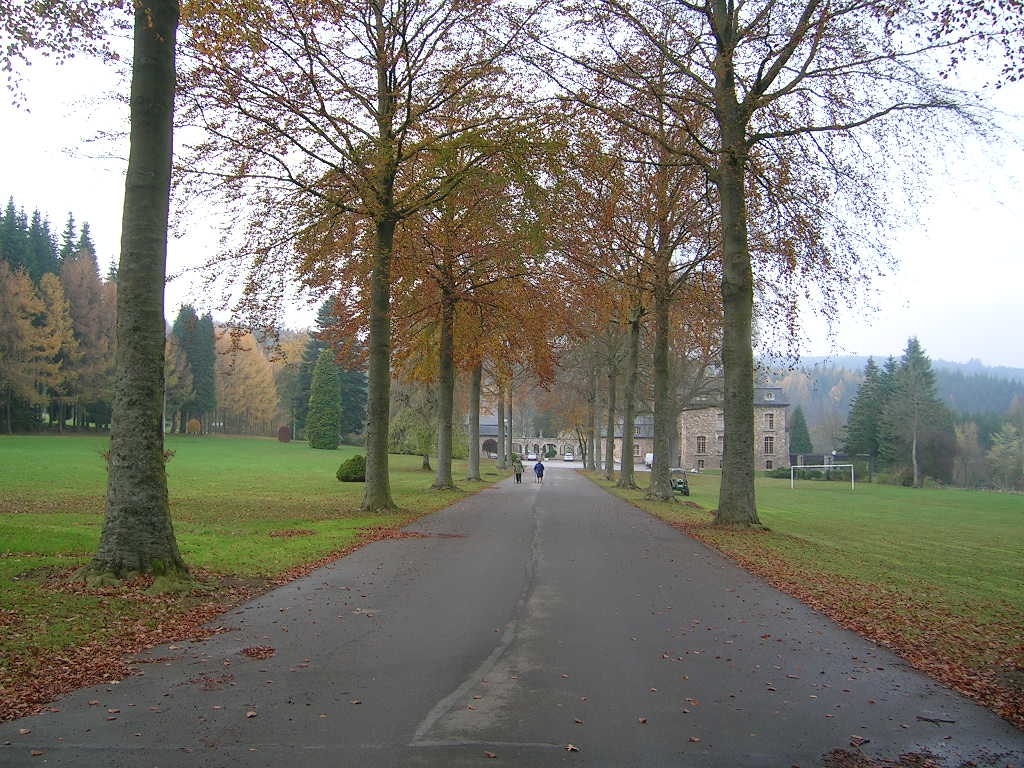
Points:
point(355, 701)
point(694, 739)
point(250, 713)
point(571, 748)
point(24, 731)
point(36, 753)
point(642, 721)
point(489, 754)
point(578, 721)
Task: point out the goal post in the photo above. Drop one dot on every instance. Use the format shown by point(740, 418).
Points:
point(798, 468)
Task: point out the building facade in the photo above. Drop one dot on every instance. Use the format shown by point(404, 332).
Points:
point(702, 433)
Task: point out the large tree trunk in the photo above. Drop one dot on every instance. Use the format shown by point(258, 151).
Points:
point(609, 441)
point(137, 535)
point(626, 479)
point(664, 412)
point(508, 434)
point(445, 394)
point(474, 422)
point(736, 502)
point(377, 491)
point(501, 426)
point(592, 429)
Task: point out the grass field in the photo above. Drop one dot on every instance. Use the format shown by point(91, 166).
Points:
point(936, 574)
point(246, 512)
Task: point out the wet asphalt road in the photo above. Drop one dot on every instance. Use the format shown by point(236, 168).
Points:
point(524, 619)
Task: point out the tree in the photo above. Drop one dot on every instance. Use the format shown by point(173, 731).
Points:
point(863, 426)
point(178, 385)
point(64, 347)
point(197, 338)
point(799, 437)
point(332, 120)
point(246, 394)
point(323, 419)
point(914, 412)
point(92, 315)
point(137, 535)
point(23, 347)
point(790, 107)
point(1006, 458)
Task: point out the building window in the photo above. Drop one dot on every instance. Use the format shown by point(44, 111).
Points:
point(769, 445)
point(721, 444)
point(769, 464)
point(702, 444)
point(720, 421)
point(636, 431)
point(700, 464)
point(769, 421)
point(636, 449)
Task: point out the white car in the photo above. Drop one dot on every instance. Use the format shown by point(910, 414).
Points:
point(569, 456)
point(531, 457)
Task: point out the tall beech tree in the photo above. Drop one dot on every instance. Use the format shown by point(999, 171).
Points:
point(326, 119)
point(789, 107)
point(137, 535)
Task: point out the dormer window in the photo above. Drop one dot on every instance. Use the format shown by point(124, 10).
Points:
point(769, 395)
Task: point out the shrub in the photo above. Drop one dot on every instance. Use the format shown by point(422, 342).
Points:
point(779, 472)
point(194, 427)
point(353, 470)
point(284, 434)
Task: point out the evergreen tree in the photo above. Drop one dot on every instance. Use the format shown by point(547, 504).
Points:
point(65, 351)
point(863, 426)
point(799, 437)
point(323, 418)
point(196, 337)
point(85, 242)
point(14, 244)
point(919, 422)
point(353, 380)
point(69, 239)
point(42, 248)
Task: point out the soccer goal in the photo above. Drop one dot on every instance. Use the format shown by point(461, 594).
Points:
point(794, 469)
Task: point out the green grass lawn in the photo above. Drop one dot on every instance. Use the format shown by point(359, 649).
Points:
point(245, 511)
point(937, 574)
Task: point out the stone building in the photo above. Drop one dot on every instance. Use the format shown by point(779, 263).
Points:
point(702, 433)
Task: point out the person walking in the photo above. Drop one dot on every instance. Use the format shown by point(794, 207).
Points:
point(517, 467)
point(538, 468)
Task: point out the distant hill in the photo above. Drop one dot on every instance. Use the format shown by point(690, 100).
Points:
point(824, 387)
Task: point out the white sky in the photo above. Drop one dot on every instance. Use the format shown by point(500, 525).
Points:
point(958, 288)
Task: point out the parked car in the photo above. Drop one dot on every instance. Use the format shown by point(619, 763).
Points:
point(569, 456)
point(649, 459)
point(531, 456)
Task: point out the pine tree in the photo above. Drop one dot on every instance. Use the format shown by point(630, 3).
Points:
point(69, 239)
point(799, 437)
point(323, 419)
point(42, 247)
point(916, 418)
point(196, 336)
point(863, 423)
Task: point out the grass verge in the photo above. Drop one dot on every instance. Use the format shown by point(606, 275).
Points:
point(935, 575)
point(248, 514)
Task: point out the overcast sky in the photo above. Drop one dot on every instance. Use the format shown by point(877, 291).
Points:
point(958, 287)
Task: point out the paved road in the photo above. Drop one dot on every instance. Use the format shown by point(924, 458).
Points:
point(525, 619)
